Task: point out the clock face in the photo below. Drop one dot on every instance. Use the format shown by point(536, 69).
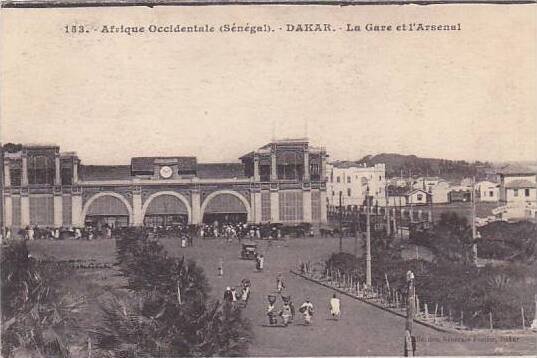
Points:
point(166, 172)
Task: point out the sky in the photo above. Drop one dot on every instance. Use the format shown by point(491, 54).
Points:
point(462, 95)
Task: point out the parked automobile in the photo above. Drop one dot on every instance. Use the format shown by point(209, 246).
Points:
point(249, 250)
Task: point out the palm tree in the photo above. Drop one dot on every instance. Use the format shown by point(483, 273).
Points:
point(35, 313)
point(165, 310)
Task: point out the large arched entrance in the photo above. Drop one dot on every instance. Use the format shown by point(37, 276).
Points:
point(225, 206)
point(109, 208)
point(165, 209)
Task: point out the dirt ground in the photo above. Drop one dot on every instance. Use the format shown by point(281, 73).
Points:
point(362, 330)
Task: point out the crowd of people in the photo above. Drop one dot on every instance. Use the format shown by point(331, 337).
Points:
point(287, 310)
point(49, 233)
point(233, 296)
point(229, 231)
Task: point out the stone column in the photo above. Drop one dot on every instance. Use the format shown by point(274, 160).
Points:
point(196, 218)
point(58, 209)
point(76, 210)
point(7, 174)
point(274, 205)
point(255, 206)
point(137, 215)
point(57, 176)
point(8, 210)
point(273, 167)
point(24, 174)
point(25, 210)
point(324, 216)
point(306, 165)
point(306, 205)
point(256, 169)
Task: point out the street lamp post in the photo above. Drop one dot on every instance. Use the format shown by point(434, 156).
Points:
point(340, 222)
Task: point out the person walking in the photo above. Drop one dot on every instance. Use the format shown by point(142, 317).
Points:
point(221, 267)
point(189, 240)
point(245, 295)
point(30, 233)
point(261, 262)
point(233, 294)
point(307, 310)
point(335, 308)
point(280, 285)
point(271, 310)
point(286, 313)
point(228, 295)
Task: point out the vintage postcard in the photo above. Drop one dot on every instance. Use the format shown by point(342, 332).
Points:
point(268, 180)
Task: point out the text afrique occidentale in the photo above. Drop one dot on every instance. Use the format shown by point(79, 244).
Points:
point(263, 28)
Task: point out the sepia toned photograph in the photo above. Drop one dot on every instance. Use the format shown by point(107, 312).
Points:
point(268, 181)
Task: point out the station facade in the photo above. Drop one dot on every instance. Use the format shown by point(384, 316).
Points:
point(281, 182)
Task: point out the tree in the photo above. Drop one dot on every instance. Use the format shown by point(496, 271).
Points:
point(164, 310)
point(451, 239)
point(36, 314)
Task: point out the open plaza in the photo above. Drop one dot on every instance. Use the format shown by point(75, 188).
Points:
point(361, 330)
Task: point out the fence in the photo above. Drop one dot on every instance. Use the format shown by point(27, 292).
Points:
point(394, 300)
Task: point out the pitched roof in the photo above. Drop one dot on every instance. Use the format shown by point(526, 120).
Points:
point(220, 170)
point(515, 168)
point(520, 184)
point(145, 164)
point(416, 190)
point(105, 172)
point(278, 142)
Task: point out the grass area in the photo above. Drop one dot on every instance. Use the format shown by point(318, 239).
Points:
point(98, 250)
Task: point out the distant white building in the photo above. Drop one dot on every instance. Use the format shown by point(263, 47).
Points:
point(425, 183)
point(518, 188)
point(467, 182)
point(352, 181)
point(437, 187)
point(518, 194)
point(440, 192)
point(418, 197)
point(398, 182)
point(487, 191)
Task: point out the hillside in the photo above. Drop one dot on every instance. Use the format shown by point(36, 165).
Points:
point(417, 166)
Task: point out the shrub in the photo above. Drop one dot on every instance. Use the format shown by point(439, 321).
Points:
point(36, 315)
point(166, 312)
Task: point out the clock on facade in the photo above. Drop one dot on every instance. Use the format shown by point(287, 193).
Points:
point(166, 172)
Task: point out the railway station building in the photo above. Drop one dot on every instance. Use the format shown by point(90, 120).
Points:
point(281, 182)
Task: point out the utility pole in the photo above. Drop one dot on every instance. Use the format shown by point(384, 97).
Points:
point(340, 222)
point(474, 228)
point(368, 242)
point(409, 343)
point(400, 218)
point(387, 208)
point(355, 224)
point(2, 181)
